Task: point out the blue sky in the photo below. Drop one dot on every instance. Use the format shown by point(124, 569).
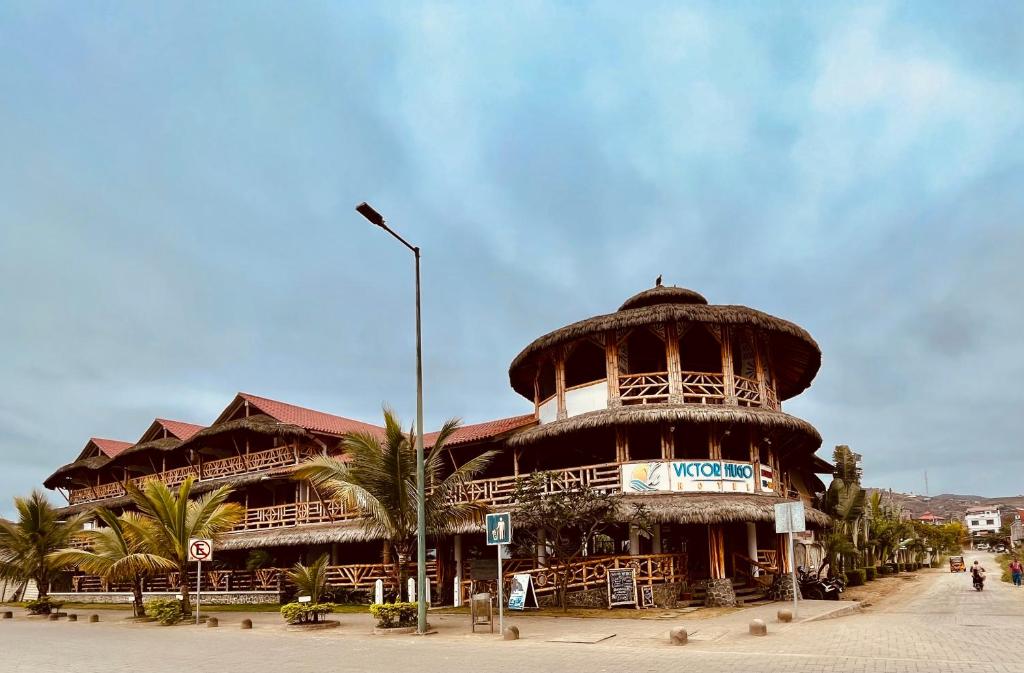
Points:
point(177, 183)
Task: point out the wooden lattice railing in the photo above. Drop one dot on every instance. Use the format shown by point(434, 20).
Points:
point(296, 514)
point(703, 388)
point(649, 388)
point(360, 576)
point(744, 567)
point(586, 573)
point(280, 456)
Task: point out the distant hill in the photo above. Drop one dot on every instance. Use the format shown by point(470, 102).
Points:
point(950, 505)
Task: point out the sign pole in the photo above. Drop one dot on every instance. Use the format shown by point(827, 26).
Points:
point(501, 594)
point(792, 562)
point(199, 587)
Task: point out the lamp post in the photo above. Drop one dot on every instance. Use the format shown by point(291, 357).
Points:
point(367, 211)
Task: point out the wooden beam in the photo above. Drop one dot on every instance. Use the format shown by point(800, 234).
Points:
point(611, 361)
point(560, 383)
point(674, 364)
point(728, 375)
point(667, 443)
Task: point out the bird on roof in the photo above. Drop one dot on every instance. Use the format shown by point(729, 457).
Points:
point(657, 281)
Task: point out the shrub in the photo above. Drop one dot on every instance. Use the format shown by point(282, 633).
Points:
point(855, 577)
point(42, 606)
point(167, 611)
point(870, 573)
point(394, 615)
point(306, 613)
point(885, 570)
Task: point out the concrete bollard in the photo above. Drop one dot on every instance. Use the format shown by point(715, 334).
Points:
point(212, 622)
point(93, 619)
point(54, 616)
point(511, 633)
point(8, 614)
point(785, 616)
point(758, 628)
point(678, 636)
point(72, 618)
point(246, 623)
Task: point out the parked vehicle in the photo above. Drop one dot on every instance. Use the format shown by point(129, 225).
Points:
point(815, 587)
point(957, 564)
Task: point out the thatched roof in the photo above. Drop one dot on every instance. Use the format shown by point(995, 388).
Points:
point(802, 432)
point(663, 294)
point(259, 424)
point(708, 508)
point(342, 531)
point(64, 473)
point(156, 446)
point(795, 354)
point(197, 488)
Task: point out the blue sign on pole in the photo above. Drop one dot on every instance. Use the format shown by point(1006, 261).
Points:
point(499, 528)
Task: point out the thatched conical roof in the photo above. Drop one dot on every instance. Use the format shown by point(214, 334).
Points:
point(67, 472)
point(260, 424)
point(711, 508)
point(801, 433)
point(795, 354)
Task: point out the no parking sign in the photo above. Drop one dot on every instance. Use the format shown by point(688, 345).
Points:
point(200, 549)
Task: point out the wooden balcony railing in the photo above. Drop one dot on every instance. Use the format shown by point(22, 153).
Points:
point(703, 388)
point(499, 490)
point(354, 576)
point(650, 388)
point(280, 456)
point(295, 514)
point(587, 573)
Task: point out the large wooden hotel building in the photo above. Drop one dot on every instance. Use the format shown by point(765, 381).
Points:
point(669, 401)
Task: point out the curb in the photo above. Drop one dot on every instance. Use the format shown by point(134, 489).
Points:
point(850, 608)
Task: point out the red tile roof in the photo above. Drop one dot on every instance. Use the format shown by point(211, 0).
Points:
point(481, 431)
point(314, 421)
point(110, 447)
point(179, 429)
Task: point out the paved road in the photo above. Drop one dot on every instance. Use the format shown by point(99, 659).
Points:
point(939, 624)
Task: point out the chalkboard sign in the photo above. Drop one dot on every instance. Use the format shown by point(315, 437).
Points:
point(647, 596)
point(483, 569)
point(621, 587)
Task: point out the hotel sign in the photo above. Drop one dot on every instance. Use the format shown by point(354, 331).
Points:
point(687, 476)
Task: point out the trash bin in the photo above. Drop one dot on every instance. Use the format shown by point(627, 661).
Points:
point(481, 611)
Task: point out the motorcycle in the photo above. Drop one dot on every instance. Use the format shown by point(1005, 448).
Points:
point(817, 588)
point(979, 581)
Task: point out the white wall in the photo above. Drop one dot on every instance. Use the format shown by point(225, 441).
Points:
point(591, 397)
point(548, 411)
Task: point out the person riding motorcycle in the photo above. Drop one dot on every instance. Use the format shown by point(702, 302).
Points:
point(978, 575)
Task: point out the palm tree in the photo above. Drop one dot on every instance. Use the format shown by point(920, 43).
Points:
point(845, 501)
point(380, 480)
point(116, 553)
point(310, 580)
point(171, 519)
point(26, 545)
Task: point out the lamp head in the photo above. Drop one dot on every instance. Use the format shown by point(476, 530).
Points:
point(367, 211)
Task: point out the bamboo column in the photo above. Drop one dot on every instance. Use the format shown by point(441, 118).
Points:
point(674, 364)
point(611, 362)
point(560, 384)
point(728, 377)
point(759, 364)
point(716, 551)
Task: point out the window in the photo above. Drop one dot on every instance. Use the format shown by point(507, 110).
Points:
point(975, 522)
point(990, 522)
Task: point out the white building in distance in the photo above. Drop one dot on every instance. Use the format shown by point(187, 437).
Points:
point(983, 520)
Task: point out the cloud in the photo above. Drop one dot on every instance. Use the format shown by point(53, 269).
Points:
point(176, 224)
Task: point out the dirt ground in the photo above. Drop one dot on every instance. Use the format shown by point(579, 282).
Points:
point(885, 587)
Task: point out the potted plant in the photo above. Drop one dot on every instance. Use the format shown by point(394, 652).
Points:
point(308, 612)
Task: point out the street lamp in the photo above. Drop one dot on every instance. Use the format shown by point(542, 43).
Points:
point(367, 211)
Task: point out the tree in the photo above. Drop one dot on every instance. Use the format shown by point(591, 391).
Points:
point(171, 519)
point(565, 522)
point(27, 544)
point(379, 478)
point(116, 553)
point(845, 502)
point(310, 580)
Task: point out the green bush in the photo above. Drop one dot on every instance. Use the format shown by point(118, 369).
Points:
point(855, 577)
point(167, 611)
point(306, 613)
point(885, 570)
point(393, 615)
point(870, 573)
point(43, 606)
